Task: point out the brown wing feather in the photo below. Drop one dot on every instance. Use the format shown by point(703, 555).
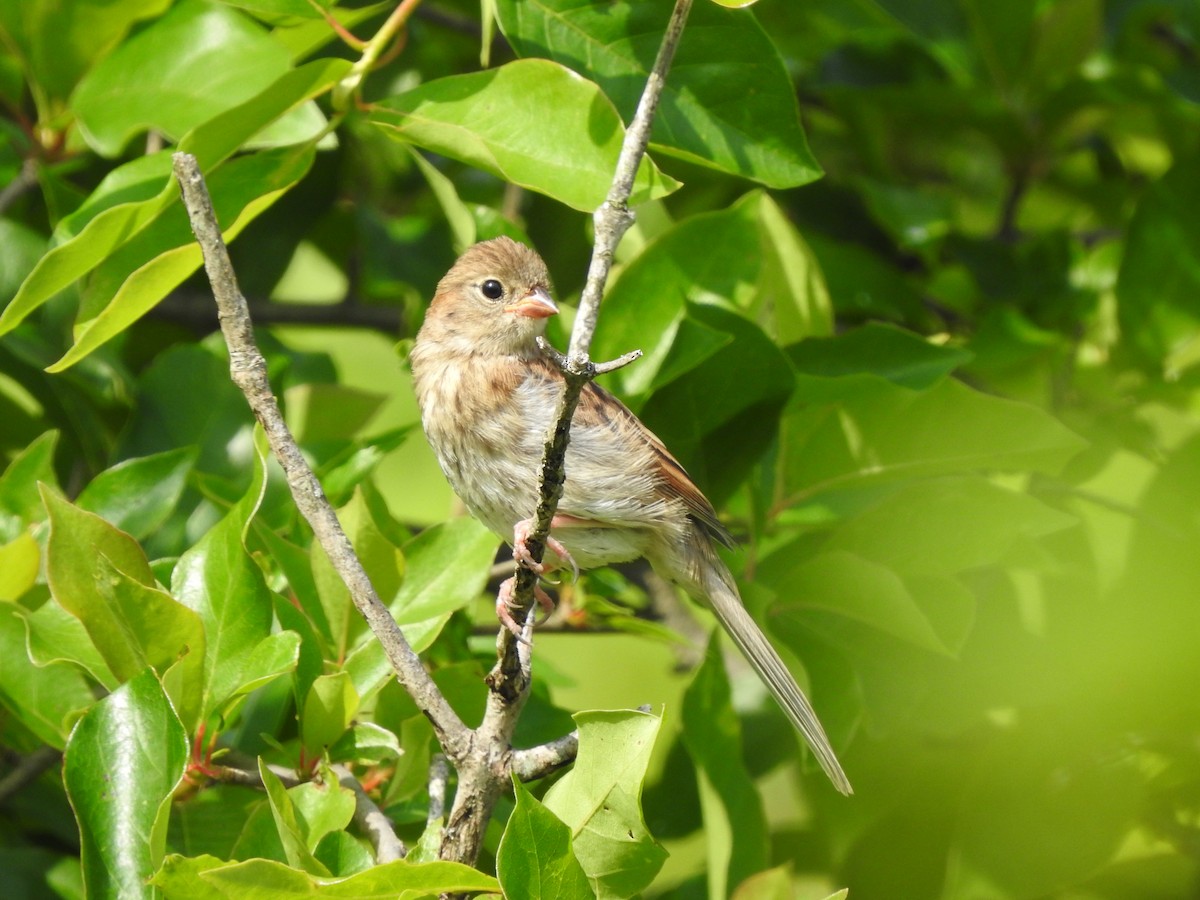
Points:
point(597, 407)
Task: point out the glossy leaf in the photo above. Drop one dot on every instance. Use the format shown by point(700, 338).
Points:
point(260, 879)
point(289, 824)
point(146, 268)
point(57, 636)
point(480, 119)
point(137, 495)
point(44, 698)
point(123, 762)
point(20, 499)
point(57, 44)
point(194, 63)
point(109, 226)
point(329, 709)
point(600, 800)
point(754, 262)
point(535, 859)
point(728, 101)
point(217, 579)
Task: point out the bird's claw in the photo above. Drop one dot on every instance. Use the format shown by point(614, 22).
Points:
point(521, 534)
point(506, 605)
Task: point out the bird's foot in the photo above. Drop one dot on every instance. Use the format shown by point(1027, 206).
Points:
point(506, 605)
point(521, 534)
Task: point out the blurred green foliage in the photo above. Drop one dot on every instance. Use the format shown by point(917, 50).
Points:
point(918, 286)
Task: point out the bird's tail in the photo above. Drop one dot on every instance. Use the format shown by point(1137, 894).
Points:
point(722, 594)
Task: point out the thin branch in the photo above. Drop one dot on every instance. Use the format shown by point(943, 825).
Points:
point(538, 762)
point(371, 820)
point(481, 781)
point(249, 372)
point(372, 52)
point(28, 770)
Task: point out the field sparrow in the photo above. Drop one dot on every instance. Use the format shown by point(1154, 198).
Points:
point(487, 394)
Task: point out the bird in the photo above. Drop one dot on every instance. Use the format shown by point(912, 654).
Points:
point(487, 393)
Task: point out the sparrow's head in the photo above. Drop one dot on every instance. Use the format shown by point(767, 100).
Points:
point(495, 297)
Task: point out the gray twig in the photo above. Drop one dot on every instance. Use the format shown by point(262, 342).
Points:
point(248, 370)
point(538, 762)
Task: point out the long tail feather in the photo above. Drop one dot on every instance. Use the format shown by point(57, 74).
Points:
point(761, 655)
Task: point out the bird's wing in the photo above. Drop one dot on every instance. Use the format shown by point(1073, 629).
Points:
point(598, 409)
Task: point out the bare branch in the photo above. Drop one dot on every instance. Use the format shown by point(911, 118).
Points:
point(538, 762)
point(249, 372)
point(371, 820)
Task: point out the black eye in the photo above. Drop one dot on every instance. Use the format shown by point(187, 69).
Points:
point(492, 289)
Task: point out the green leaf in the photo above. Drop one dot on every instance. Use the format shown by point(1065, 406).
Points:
point(857, 429)
point(753, 261)
point(137, 495)
point(108, 227)
point(57, 636)
point(773, 884)
point(728, 103)
point(44, 698)
point(289, 824)
point(366, 743)
point(535, 859)
point(717, 426)
point(82, 550)
point(199, 60)
point(458, 216)
point(900, 356)
point(322, 808)
point(337, 617)
point(484, 120)
point(20, 497)
point(1159, 280)
point(600, 800)
point(218, 580)
point(128, 284)
point(20, 560)
point(131, 622)
point(57, 43)
point(850, 587)
point(329, 709)
point(123, 762)
point(446, 567)
point(916, 529)
point(100, 574)
point(259, 879)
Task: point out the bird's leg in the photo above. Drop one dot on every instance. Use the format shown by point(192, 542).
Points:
point(506, 605)
point(521, 534)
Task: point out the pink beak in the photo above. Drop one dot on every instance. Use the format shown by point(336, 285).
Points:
point(535, 305)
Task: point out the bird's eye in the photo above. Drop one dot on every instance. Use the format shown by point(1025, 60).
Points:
point(492, 289)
